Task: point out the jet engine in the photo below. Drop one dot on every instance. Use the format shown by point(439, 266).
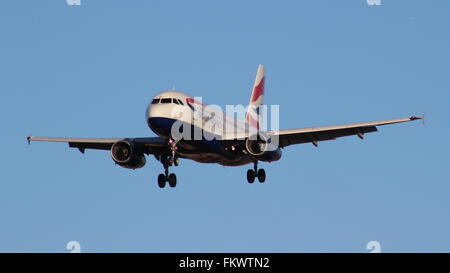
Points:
point(262, 148)
point(125, 154)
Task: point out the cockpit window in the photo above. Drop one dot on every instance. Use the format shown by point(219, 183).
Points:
point(166, 100)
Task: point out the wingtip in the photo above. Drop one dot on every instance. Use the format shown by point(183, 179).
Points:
point(418, 118)
point(29, 139)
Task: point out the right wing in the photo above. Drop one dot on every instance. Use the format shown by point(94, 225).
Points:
point(315, 134)
point(148, 145)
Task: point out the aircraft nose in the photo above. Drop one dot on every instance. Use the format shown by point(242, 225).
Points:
point(151, 110)
point(154, 111)
point(158, 119)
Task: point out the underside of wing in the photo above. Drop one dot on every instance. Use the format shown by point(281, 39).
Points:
point(316, 134)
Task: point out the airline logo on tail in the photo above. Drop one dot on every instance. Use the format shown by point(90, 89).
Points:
point(257, 98)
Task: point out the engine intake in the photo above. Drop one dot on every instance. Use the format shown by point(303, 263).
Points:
point(261, 147)
point(124, 153)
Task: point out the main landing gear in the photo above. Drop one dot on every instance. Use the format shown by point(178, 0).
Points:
point(168, 161)
point(255, 172)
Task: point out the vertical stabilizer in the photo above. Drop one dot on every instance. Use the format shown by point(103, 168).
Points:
point(257, 98)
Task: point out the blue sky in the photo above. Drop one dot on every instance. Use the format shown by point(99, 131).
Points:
point(90, 70)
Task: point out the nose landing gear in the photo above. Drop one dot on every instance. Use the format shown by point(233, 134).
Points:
point(165, 177)
point(255, 172)
point(168, 161)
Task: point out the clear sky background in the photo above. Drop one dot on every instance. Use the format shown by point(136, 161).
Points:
point(90, 71)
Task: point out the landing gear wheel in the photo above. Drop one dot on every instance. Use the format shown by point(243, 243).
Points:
point(167, 161)
point(172, 180)
point(251, 176)
point(261, 175)
point(162, 180)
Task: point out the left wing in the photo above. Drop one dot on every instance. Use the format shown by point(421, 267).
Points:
point(148, 145)
point(315, 134)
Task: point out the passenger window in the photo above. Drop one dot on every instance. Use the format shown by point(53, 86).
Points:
point(155, 101)
point(166, 100)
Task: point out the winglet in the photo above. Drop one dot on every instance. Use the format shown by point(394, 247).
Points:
point(417, 118)
point(29, 139)
point(414, 117)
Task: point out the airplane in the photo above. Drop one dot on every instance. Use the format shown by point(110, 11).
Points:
point(244, 144)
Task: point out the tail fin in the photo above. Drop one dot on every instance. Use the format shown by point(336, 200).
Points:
point(257, 98)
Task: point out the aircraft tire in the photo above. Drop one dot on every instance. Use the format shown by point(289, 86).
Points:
point(261, 175)
point(172, 180)
point(251, 176)
point(161, 180)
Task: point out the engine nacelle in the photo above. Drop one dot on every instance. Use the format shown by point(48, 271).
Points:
point(124, 153)
point(262, 148)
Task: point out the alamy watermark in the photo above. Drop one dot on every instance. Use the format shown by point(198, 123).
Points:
point(73, 2)
point(74, 247)
point(199, 121)
point(374, 247)
point(374, 2)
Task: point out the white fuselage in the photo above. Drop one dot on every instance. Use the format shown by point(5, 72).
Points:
point(207, 124)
